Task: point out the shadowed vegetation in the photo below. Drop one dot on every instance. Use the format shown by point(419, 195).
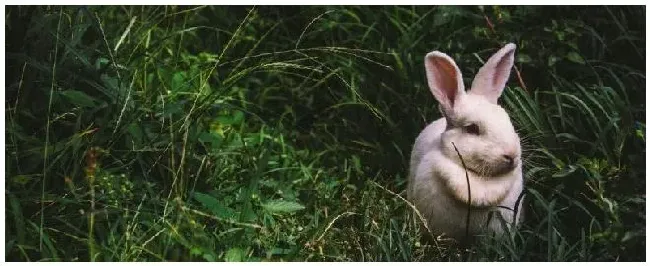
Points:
point(284, 133)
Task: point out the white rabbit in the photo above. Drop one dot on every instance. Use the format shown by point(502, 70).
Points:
point(487, 142)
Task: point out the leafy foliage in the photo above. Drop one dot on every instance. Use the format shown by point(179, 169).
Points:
point(284, 133)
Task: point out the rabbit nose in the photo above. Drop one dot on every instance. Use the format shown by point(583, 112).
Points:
point(509, 159)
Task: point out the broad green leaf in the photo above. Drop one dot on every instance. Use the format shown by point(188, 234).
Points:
point(552, 60)
point(234, 255)
point(209, 257)
point(21, 179)
point(279, 251)
point(640, 134)
point(230, 119)
point(196, 251)
point(560, 35)
point(575, 57)
point(632, 234)
point(210, 138)
point(214, 205)
point(135, 132)
point(524, 58)
point(237, 117)
point(247, 213)
point(179, 81)
point(17, 214)
point(281, 206)
point(565, 172)
point(110, 82)
point(173, 108)
point(78, 98)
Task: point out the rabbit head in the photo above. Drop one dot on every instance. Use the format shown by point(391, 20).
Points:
point(479, 128)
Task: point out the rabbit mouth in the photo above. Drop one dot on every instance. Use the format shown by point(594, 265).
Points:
point(490, 169)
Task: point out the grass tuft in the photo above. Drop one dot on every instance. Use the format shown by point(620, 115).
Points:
point(283, 133)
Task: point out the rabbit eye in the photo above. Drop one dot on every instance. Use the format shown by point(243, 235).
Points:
point(471, 129)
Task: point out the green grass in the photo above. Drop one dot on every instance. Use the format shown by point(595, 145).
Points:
point(284, 133)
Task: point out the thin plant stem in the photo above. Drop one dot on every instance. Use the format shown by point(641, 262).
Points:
point(47, 131)
point(469, 192)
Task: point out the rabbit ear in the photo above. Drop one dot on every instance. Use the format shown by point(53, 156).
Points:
point(444, 78)
point(492, 77)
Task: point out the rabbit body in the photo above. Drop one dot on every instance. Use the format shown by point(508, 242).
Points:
point(480, 130)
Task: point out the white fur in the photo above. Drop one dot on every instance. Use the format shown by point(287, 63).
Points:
point(437, 179)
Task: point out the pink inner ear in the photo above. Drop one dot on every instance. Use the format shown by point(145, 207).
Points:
point(446, 79)
point(502, 70)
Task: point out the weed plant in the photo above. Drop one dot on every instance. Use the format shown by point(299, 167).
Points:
point(212, 133)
